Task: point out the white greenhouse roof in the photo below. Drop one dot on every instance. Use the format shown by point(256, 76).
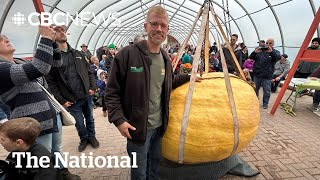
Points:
point(119, 21)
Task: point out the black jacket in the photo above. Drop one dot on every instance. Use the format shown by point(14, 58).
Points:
point(231, 65)
point(127, 93)
point(108, 62)
point(264, 63)
point(56, 78)
point(25, 173)
point(101, 52)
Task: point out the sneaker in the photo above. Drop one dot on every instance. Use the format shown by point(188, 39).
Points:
point(94, 142)
point(265, 106)
point(66, 175)
point(83, 145)
point(315, 105)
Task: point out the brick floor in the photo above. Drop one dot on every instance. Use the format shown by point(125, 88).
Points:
point(285, 147)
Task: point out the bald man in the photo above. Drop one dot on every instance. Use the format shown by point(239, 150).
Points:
point(265, 58)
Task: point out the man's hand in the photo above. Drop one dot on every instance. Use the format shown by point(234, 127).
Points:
point(67, 104)
point(47, 32)
point(124, 129)
point(278, 78)
point(91, 92)
point(269, 49)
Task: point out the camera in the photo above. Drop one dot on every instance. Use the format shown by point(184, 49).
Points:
point(264, 48)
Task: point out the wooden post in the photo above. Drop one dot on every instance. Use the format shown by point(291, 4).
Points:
point(195, 65)
point(176, 60)
point(206, 48)
point(228, 44)
point(300, 57)
point(231, 100)
point(230, 96)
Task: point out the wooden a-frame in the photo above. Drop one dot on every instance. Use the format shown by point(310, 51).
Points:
point(303, 55)
point(204, 27)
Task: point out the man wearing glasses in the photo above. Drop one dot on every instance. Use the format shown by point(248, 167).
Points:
point(265, 59)
point(229, 59)
point(138, 92)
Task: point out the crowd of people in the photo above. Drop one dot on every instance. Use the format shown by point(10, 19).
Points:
point(265, 67)
point(131, 83)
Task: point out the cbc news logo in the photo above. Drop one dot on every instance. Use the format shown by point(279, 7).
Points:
point(18, 19)
point(59, 19)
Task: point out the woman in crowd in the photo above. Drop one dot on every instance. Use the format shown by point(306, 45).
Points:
point(20, 89)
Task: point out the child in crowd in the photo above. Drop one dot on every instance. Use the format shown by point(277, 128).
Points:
point(248, 64)
point(102, 62)
point(18, 135)
point(102, 84)
point(186, 66)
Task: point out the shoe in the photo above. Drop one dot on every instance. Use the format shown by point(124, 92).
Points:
point(94, 142)
point(105, 113)
point(83, 145)
point(66, 175)
point(265, 106)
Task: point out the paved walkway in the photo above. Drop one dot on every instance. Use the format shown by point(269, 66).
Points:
point(285, 147)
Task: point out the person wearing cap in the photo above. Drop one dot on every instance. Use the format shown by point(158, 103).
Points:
point(261, 43)
point(186, 66)
point(109, 58)
point(73, 85)
point(306, 68)
point(85, 51)
point(281, 70)
point(102, 84)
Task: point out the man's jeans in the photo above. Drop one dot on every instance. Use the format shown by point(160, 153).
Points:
point(316, 97)
point(148, 156)
point(52, 141)
point(82, 111)
point(266, 85)
point(4, 111)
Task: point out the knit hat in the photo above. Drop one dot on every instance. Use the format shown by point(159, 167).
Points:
point(111, 46)
point(316, 39)
point(185, 59)
point(99, 72)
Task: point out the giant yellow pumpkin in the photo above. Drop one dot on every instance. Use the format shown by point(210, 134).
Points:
point(210, 131)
